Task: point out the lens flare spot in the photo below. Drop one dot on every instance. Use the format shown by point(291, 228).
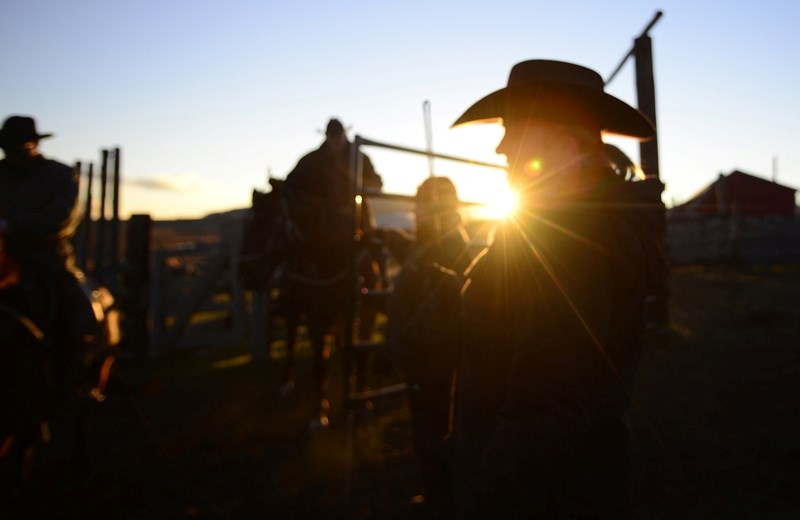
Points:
point(534, 166)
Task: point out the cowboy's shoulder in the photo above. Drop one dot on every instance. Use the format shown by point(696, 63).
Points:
point(303, 169)
point(308, 158)
point(315, 160)
point(56, 167)
point(617, 251)
point(41, 166)
point(617, 234)
point(55, 174)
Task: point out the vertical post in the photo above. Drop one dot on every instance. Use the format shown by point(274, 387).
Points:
point(355, 204)
point(357, 184)
point(100, 251)
point(80, 236)
point(259, 324)
point(356, 174)
point(156, 303)
point(137, 282)
point(426, 113)
point(648, 152)
point(88, 223)
point(646, 93)
point(115, 224)
point(232, 241)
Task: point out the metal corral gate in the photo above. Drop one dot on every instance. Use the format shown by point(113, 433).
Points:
point(351, 345)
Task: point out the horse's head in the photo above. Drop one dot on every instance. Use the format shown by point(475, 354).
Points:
point(270, 236)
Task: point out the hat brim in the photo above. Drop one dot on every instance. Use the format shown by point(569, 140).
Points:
point(613, 115)
point(15, 140)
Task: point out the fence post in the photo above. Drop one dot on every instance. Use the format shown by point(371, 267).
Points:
point(87, 223)
point(157, 325)
point(100, 250)
point(646, 93)
point(137, 283)
point(80, 238)
point(114, 249)
point(231, 233)
point(259, 324)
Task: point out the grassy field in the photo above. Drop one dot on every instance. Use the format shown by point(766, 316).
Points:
point(717, 421)
point(205, 433)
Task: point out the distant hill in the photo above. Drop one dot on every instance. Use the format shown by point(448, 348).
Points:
point(394, 213)
point(206, 230)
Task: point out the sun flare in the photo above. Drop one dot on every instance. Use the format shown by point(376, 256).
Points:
point(500, 203)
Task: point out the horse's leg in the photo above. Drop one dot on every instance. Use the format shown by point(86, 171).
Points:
point(291, 300)
point(366, 324)
point(367, 315)
point(318, 334)
point(292, 322)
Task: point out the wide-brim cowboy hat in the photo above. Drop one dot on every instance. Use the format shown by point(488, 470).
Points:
point(17, 130)
point(546, 88)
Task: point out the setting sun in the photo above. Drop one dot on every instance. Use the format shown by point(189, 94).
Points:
point(498, 203)
point(502, 204)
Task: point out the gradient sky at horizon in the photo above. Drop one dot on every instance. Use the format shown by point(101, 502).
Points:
point(206, 98)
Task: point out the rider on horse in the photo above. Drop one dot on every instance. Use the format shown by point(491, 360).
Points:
point(322, 179)
point(319, 193)
point(40, 287)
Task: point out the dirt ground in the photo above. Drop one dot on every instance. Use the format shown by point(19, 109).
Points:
point(205, 433)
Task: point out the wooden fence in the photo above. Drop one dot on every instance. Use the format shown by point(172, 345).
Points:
point(733, 240)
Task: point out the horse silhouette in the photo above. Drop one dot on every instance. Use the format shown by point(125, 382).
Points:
point(307, 256)
point(46, 377)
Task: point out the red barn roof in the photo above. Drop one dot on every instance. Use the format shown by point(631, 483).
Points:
point(744, 193)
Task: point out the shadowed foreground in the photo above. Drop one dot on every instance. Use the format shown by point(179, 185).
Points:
point(205, 433)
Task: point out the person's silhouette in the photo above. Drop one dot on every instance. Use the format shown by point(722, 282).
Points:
point(422, 333)
point(46, 319)
point(553, 309)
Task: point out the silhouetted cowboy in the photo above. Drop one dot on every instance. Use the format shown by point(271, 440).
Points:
point(553, 309)
point(324, 173)
point(320, 184)
point(422, 333)
point(38, 216)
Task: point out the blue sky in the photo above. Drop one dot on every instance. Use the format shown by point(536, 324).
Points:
point(205, 98)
